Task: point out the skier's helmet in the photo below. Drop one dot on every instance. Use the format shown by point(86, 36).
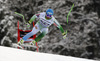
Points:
point(49, 13)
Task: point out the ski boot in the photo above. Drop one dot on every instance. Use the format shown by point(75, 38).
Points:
point(20, 42)
point(33, 42)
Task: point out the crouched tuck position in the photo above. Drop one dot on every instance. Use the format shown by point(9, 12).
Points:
point(45, 20)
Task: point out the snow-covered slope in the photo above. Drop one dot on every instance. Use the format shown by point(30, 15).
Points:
point(12, 54)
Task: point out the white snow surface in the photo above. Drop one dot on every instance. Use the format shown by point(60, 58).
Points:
point(13, 54)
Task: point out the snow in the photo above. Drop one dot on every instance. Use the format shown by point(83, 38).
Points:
point(0, 0)
point(4, 1)
point(12, 54)
point(11, 17)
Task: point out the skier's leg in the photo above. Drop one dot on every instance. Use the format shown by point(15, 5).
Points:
point(33, 32)
point(44, 31)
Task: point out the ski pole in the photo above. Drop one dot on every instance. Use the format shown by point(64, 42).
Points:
point(69, 12)
point(21, 16)
point(67, 20)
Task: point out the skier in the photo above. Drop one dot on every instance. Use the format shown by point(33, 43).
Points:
point(45, 20)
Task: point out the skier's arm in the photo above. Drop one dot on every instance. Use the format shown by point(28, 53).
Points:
point(56, 23)
point(61, 29)
point(33, 18)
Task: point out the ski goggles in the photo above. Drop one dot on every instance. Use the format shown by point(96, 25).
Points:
point(48, 15)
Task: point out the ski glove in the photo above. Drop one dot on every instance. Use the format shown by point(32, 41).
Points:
point(64, 34)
